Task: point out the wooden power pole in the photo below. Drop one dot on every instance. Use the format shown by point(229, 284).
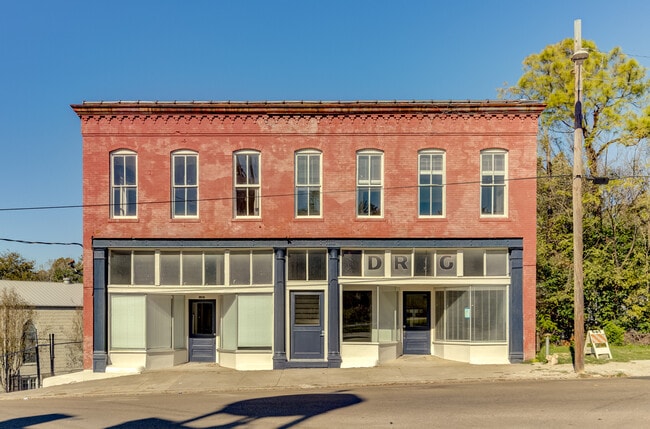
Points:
point(579, 55)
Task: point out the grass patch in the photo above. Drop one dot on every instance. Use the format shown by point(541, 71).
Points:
point(619, 354)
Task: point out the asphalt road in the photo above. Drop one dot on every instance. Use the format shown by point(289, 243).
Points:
point(578, 403)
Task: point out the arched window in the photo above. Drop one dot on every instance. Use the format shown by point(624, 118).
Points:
point(494, 178)
point(248, 184)
point(370, 185)
point(124, 184)
point(431, 183)
point(185, 184)
point(30, 341)
point(308, 184)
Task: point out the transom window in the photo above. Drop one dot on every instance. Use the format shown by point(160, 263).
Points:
point(247, 184)
point(431, 196)
point(124, 184)
point(185, 187)
point(369, 183)
point(191, 267)
point(308, 183)
point(422, 262)
point(307, 265)
point(493, 183)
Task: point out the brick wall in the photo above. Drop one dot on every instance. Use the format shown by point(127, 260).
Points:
point(400, 136)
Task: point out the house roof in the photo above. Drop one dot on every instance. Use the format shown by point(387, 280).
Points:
point(47, 294)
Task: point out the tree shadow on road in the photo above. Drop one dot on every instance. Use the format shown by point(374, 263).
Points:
point(23, 422)
point(302, 407)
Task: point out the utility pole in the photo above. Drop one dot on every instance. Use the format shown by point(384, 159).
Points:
point(579, 55)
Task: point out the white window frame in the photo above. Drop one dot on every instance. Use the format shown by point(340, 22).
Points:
point(247, 187)
point(117, 208)
point(431, 172)
point(368, 183)
point(309, 186)
point(185, 154)
point(493, 174)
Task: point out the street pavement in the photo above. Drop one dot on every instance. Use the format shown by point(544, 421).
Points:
point(194, 378)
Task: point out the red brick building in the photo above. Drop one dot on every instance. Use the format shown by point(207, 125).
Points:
point(298, 234)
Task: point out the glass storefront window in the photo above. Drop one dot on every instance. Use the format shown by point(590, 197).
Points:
point(475, 314)
point(357, 316)
point(370, 315)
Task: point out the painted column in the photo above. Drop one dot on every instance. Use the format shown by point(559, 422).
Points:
point(516, 315)
point(333, 340)
point(279, 311)
point(100, 313)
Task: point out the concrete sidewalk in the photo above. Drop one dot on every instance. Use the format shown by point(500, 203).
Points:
point(192, 378)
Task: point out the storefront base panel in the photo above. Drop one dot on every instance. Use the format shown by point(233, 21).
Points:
point(137, 361)
point(368, 355)
point(475, 354)
point(128, 361)
point(246, 361)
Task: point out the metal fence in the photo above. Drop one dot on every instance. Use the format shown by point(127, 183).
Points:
point(46, 360)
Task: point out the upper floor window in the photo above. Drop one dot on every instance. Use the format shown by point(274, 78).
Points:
point(431, 170)
point(493, 182)
point(124, 184)
point(369, 183)
point(185, 185)
point(247, 184)
point(308, 183)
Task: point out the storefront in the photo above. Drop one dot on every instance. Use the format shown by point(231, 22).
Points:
point(305, 303)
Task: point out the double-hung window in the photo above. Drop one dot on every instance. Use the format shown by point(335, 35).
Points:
point(247, 184)
point(124, 184)
point(493, 183)
point(369, 183)
point(308, 183)
point(431, 170)
point(185, 185)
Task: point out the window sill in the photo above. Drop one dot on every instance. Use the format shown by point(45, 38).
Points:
point(493, 218)
point(185, 220)
point(123, 220)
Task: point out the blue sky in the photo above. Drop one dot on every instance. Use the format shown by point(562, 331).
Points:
point(53, 54)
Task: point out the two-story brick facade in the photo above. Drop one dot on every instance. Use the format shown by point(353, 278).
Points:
point(308, 234)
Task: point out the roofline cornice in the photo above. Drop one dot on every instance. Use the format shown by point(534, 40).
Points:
point(137, 108)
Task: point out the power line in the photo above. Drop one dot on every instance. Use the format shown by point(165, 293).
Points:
point(48, 243)
point(292, 194)
point(143, 203)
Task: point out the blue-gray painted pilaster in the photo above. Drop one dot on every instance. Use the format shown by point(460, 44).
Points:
point(333, 340)
point(279, 312)
point(516, 322)
point(100, 313)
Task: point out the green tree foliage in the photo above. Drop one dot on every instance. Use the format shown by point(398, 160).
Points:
point(616, 216)
point(62, 269)
point(615, 94)
point(14, 267)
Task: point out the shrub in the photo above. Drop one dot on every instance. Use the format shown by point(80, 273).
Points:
point(615, 333)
